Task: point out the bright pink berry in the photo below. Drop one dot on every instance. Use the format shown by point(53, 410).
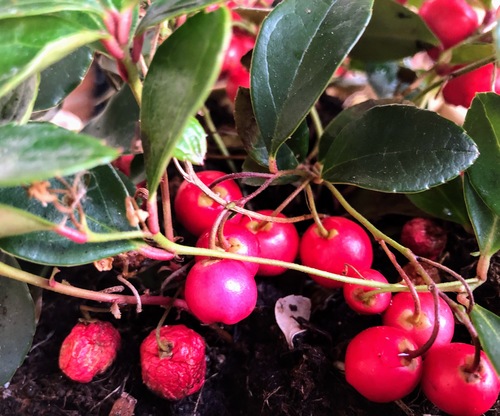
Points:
point(353, 294)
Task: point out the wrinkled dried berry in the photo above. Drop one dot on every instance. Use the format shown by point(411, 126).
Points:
point(424, 237)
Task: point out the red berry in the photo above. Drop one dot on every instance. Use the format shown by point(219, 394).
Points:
point(277, 240)
point(220, 291)
point(195, 210)
point(447, 382)
point(88, 350)
point(424, 237)
point(240, 44)
point(178, 371)
point(353, 293)
point(374, 365)
point(238, 77)
point(347, 243)
point(239, 240)
point(123, 164)
point(462, 89)
point(401, 314)
point(451, 21)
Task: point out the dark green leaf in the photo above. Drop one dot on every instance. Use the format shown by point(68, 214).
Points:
point(487, 325)
point(482, 123)
point(104, 207)
point(117, 124)
point(16, 106)
point(58, 80)
point(28, 45)
point(193, 144)
point(162, 10)
point(179, 80)
point(38, 151)
point(444, 201)
point(300, 44)
point(485, 222)
point(398, 148)
point(17, 322)
point(16, 221)
point(21, 8)
point(394, 32)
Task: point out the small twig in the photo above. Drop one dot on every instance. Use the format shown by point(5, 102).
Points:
point(134, 292)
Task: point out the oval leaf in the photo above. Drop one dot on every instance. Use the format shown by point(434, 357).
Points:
point(482, 123)
point(398, 148)
point(487, 325)
point(16, 221)
point(193, 144)
point(38, 151)
point(17, 322)
point(104, 207)
point(20, 8)
point(17, 105)
point(300, 44)
point(179, 80)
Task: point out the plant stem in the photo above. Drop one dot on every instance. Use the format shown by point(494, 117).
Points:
point(134, 79)
point(312, 207)
point(166, 207)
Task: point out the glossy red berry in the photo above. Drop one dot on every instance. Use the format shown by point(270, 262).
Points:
point(88, 350)
point(277, 241)
point(195, 210)
point(375, 367)
point(353, 294)
point(401, 314)
point(240, 44)
point(238, 77)
point(424, 237)
point(179, 369)
point(448, 382)
point(123, 164)
point(462, 89)
point(220, 291)
point(347, 243)
point(238, 239)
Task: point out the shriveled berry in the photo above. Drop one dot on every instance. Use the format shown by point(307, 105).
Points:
point(424, 237)
point(88, 350)
point(179, 369)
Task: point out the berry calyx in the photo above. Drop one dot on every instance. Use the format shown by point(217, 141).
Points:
point(355, 295)
point(177, 370)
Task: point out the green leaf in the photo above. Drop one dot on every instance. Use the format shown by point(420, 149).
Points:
point(398, 148)
point(485, 222)
point(394, 32)
point(17, 322)
point(105, 212)
point(482, 123)
point(193, 144)
point(58, 80)
point(38, 151)
point(16, 106)
point(444, 201)
point(117, 124)
point(300, 44)
point(471, 52)
point(487, 325)
point(16, 221)
point(162, 10)
point(180, 78)
point(28, 45)
point(22, 8)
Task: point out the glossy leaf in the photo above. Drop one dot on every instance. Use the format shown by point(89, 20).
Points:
point(38, 151)
point(444, 201)
point(487, 325)
point(482, 123)
point(117, 124)
point(485, 222)
point(179, 80)
point(17, 322)
point(394, 32)
point(28, 45)
point(193, 144)
point(104, 207)
point(58, 80)
point(14, 221)
point(398, 148)
point(21, 8)
point(300, 44)
point(162, 10)
point(16, 106)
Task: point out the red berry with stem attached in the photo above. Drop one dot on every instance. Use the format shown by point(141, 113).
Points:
point(238, 240)
point(88, 350)
point(355, 295)
point(220, 291)
point(449, 383)
point(424, 237)
point(347, 243)
point(195, 210)
point(177, 368)
point(376, 367)
point(277, 241)
point(401, 314)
